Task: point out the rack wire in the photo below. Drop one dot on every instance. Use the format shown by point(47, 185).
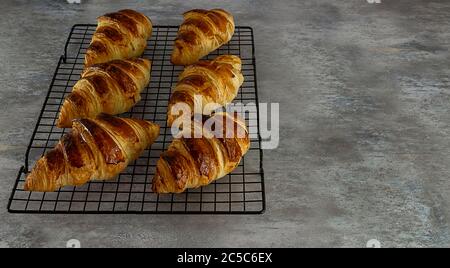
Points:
point(241, 192)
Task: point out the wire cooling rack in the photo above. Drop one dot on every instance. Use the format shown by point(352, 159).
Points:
point(241, 192)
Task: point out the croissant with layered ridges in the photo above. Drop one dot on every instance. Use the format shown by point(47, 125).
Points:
point(208, 84)
point(110, 88)
point(202, 32)
point(192, 162)
point(119, 35)
point(95, 149)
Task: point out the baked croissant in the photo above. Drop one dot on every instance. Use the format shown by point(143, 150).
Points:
point(110, 88)
point(216, 81)
point(95, 149)
point(202, 32)
point(119, 35)
point(194, 162)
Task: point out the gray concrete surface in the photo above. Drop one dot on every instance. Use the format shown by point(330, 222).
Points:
point(364, 151)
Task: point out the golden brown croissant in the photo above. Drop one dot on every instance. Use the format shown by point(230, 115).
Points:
point(194, 162)
point(216, 81)
point(95, 149)
point(119, 35)
point(202, 32)
point(110, 88)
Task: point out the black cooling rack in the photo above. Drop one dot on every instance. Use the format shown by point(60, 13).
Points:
point(241, 192)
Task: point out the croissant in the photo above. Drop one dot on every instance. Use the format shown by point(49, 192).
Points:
point(95, 149)
point(119, 35)
point(216, 81)
point(110, 88)
point(202, 32)
point(194, 162)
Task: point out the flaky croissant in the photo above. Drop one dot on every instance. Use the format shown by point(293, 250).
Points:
point(119, 35)
point(216, 81)
point(194, 162)
point(110, 88)
point(202, 32)
point(95, 149)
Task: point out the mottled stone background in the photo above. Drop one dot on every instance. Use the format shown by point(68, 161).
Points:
point(364, 151)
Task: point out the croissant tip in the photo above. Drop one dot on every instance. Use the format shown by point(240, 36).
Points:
point(176, 57)
point(169, 120)
point(148, 63)
point(157, 183)
point(87, 60)
point(62, 120)
point(154, 184)
point(28, 186)
point(173, 60)
point(67, 114)
point(154, 188)
point(59, 124)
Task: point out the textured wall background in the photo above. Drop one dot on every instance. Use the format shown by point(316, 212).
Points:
point(364, 151)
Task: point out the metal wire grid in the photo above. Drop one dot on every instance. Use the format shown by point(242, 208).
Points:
point(241, 192)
